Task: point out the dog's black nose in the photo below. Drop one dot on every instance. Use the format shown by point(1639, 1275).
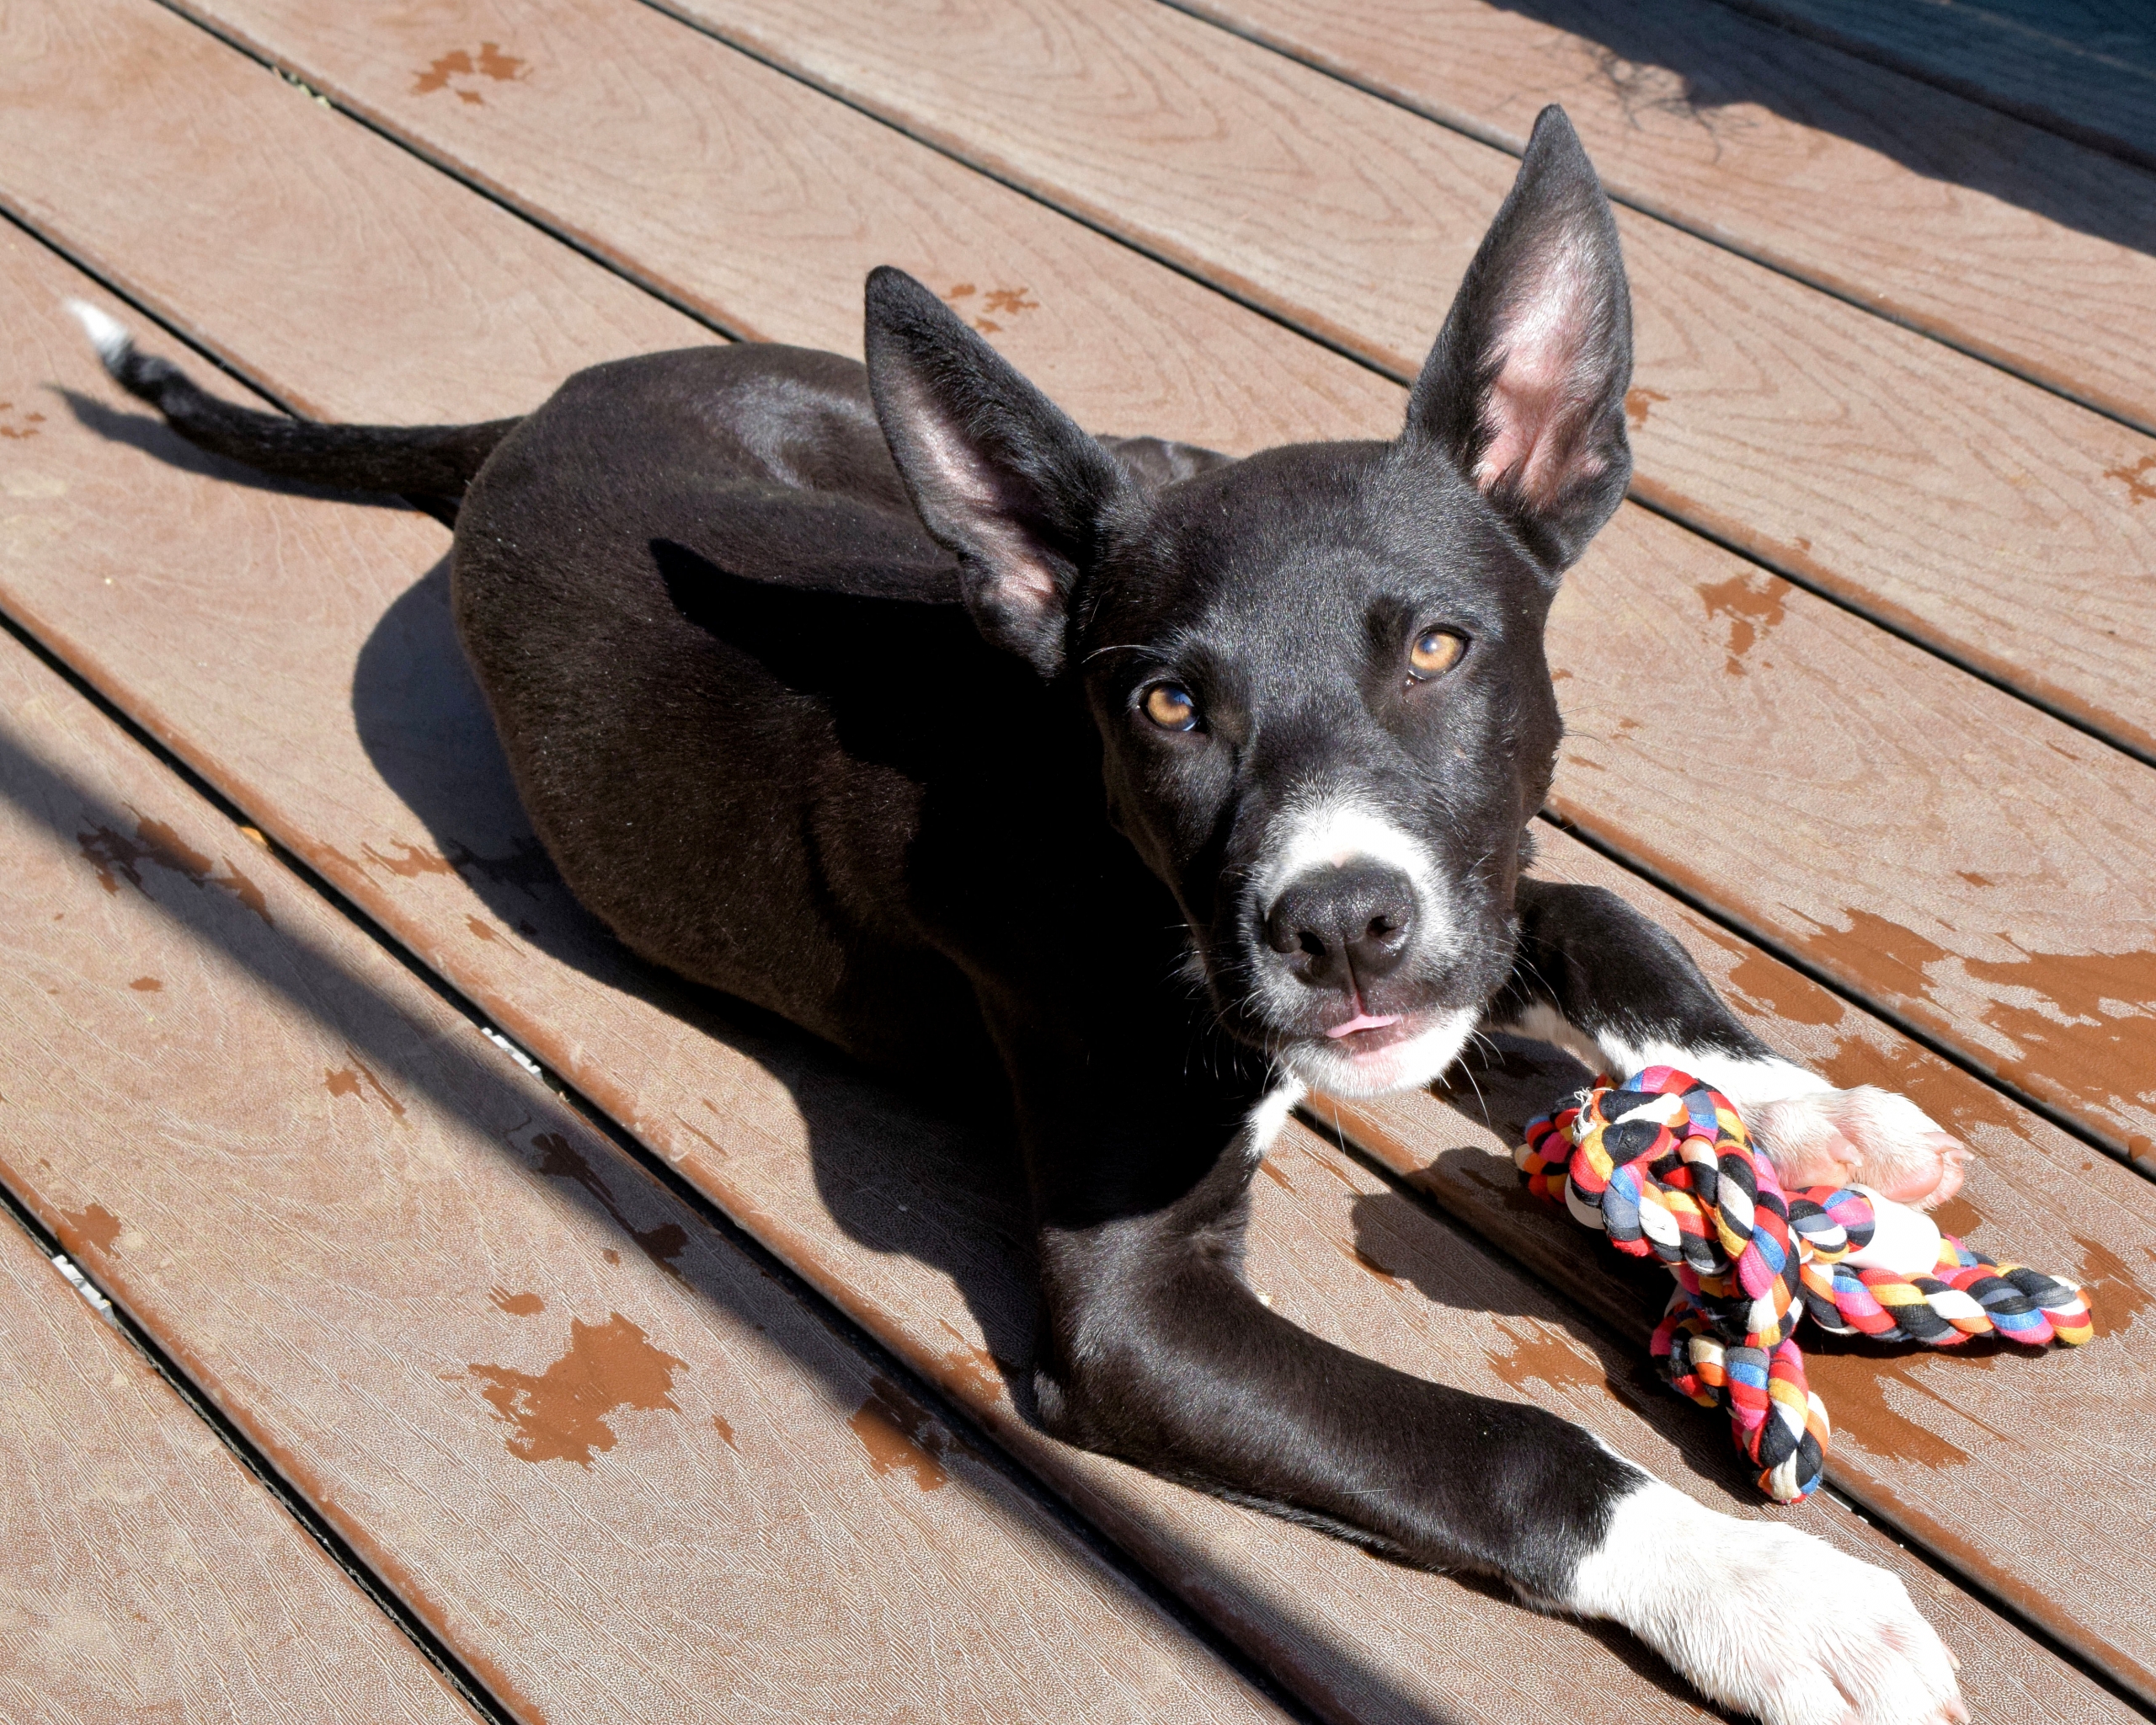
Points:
point(1338, 927)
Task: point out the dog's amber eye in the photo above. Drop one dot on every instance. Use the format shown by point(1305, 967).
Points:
point(1435, 652)
point(1170, 706)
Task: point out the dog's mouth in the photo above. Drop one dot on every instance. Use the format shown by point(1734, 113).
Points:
point(1367, 1032)
point(1376, 1053)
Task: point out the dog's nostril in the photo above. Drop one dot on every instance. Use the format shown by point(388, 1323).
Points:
point(1337, 927)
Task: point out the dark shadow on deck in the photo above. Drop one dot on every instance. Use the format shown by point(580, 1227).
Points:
point(1698, 59)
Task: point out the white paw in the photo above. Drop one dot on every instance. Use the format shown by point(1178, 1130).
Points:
point(1764, 1619)
point(1839, 1137)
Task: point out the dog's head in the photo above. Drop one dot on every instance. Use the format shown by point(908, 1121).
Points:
point(1318, 672)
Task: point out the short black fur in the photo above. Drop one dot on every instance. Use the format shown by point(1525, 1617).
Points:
point(842, 689)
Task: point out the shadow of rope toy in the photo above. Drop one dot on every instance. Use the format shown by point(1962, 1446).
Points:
point(1662, 1164)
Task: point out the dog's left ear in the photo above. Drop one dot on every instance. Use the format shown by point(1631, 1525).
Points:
point(1524, 390)
point(1002, 476)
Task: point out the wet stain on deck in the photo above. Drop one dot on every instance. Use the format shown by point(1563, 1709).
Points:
point(99, 1226)
point(1639, 402)
point(995, 302)
point(560, 1160)
point(116, 857)
point(719, 1425)
point(356, 1080)
point(2139, 488)
point(25, 424)
point(1754, 605)
point(1856, 1403)
point(2111, 995)
point(900, 1436)
point(2115, 1296)
point(453, 71)
point(561, 1415)
point(973, 1373)
point(1549, 1356)
point(1772, 987)
point(415, 862)
point(146, 984)
point(517, 1305)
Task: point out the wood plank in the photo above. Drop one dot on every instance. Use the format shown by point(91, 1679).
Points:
point(611, 1461)
point(1919, 837)
point(1923, 1437)
point(144, 1574)
point(1986, 516)
point(330, 1262)
point(882, 1206)
point(767, 224)
point(911, 1229)
point(883, 1239)
point(2030, 67)
point(1952, 838)
point(1993, 235)
point(392, 249)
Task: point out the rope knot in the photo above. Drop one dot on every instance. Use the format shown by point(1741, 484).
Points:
point(1662, 1166)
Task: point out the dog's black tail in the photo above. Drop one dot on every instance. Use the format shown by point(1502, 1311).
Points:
point(417, 461)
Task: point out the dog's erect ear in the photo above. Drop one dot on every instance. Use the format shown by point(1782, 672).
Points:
point(1524, 390)
point(999, 474)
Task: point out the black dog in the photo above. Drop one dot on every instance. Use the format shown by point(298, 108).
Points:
point(1163, 786)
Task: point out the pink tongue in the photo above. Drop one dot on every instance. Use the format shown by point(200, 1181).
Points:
point(1365, 1022)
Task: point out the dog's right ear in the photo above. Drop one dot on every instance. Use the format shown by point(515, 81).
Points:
point(1000, 476)
point(1524, 390)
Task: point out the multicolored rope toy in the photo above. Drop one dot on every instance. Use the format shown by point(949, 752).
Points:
point(1662, 1164)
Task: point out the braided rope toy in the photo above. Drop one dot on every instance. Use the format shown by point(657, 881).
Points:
point(1662, 1165)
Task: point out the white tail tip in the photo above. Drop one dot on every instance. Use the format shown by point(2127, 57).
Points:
point(106, 333)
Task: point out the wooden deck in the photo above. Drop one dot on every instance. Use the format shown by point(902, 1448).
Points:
point(657, 1366)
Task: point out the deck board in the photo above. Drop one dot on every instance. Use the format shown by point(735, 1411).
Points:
point(1991, 235)
point(246, 665)
point(886, 1210)
point(1928, 861)
point(144, 1574)
point(880, 1207)
point(614, 1465)
point(2048, 63)
point(1958, 1450)
point(1982, 514)
point(373, 245)
point(309, 1360)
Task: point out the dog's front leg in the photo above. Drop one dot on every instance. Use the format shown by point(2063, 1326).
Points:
point(1155, 1350)
point(1600, 981)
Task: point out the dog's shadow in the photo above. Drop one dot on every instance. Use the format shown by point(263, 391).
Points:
point(888, 1167)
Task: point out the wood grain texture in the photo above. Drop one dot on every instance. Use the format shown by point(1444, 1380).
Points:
point(533, 1391)
point(1955, 780)
point(1908, 830)
point(383, 777)
point(2002, 239)
point(382, 771)
point(1987, 516)
point(283, 204)
point(773, 203)
point(144, 1574)
point(619, 1469)
point(911, 1229)
point(1938, 1442)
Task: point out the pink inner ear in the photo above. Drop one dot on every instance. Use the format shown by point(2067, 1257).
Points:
point(1023, 581)
point(1536, 406)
